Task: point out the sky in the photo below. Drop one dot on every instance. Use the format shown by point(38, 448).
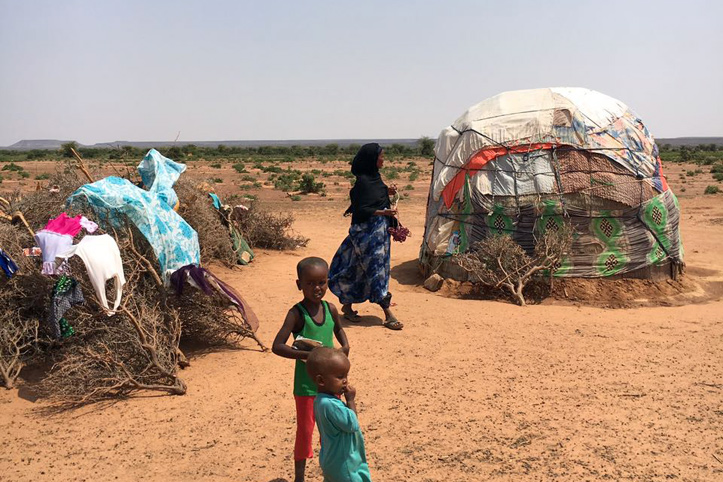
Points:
point(154, 70)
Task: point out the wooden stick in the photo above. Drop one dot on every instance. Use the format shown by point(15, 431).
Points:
point(81, 165)
point(19, 215)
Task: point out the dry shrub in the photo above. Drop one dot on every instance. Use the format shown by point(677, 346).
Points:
point(500, 263)
point(264, 229)
point(18, 314)
point(196, 208)
point(39, 206)
point(259, 227)
point(135, 349)
point(210, 323)
point(18, 338)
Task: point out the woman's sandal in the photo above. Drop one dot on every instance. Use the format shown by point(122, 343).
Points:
point(352, 316)
point(393, 324)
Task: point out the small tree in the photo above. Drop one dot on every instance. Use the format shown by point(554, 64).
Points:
point(500, 263)
point(67, 148)
point(426, 146)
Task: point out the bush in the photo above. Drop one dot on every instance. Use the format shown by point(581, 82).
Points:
point(390, 172)
point(308, 184)
point(711, 190)
point(413, 175)
point(216, 165)
point(263, 229)
point(296, 198)
point(12, 167)
point(500, 263)
point(285, 182)
point(718, 176)
point(42, 177)
point(240, 167)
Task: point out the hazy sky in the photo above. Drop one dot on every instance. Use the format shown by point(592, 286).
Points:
point(103, 70)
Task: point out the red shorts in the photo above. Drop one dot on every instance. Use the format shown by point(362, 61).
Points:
point(304, 427)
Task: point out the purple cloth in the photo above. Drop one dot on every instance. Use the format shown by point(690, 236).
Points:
point(209, 283)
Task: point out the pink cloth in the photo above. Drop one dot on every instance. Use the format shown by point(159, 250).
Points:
point(72, 226)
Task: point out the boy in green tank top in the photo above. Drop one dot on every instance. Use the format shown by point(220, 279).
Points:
point(313, 322)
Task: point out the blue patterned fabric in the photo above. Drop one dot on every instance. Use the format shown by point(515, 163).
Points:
point(159, 174)
point(360, 268)
point(174, 242)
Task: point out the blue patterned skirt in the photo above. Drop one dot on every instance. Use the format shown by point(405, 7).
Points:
point(360, 269)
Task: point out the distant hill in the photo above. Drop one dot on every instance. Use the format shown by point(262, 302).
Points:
point(689, 141)
point(258, 143)
point(51, 144)
point(26, 145)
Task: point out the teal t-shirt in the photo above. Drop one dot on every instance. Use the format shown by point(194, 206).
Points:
point(342, 457)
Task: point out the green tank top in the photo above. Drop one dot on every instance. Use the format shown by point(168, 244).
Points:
point(303, 386)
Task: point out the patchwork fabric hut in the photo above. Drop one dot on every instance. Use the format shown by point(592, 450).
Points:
point(523, 162)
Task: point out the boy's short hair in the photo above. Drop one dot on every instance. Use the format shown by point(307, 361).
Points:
point(319, 359)
point(309, 262)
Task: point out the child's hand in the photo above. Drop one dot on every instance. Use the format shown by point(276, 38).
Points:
point(349, 393)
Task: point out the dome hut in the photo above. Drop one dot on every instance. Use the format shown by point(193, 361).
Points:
point(523, 162)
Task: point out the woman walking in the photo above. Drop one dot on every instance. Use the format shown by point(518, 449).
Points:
point(360, 269)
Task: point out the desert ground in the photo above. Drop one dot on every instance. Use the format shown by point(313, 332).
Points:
point(470, 390)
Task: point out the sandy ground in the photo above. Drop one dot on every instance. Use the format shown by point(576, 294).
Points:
point(469, 390)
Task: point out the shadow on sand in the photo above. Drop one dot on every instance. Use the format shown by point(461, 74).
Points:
point(364, 321)
point(407, 273)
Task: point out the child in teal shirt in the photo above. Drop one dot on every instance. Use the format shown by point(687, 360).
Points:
point(342, 457)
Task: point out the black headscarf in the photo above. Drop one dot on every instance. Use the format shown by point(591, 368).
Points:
point(369, 193)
